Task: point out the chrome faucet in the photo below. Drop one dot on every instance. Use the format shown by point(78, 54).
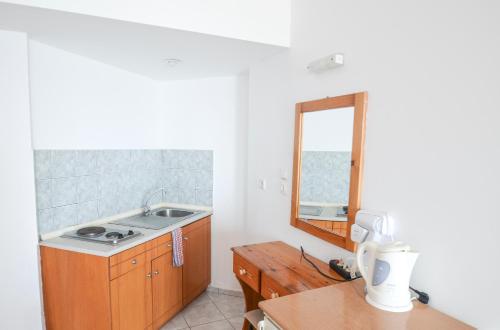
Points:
point(147, 207)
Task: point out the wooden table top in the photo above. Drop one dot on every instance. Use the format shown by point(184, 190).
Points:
point(343, 306)
point(284, 264)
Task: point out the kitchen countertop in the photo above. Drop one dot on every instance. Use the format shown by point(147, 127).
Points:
point(343, 306)
point(105, 250)
point(328, 213)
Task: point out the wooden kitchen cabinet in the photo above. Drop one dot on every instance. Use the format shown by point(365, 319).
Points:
point(136, 289)
point(167, 289)
point(196, 272)
point(131, 305)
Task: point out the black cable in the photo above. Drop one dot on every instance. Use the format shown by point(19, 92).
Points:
point(317, 268)
point(422, 296)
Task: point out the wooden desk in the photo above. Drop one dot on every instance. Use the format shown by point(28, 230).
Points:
point(275, 269)
point(343, 306)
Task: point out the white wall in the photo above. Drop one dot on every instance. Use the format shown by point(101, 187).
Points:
point(329, 130)
point(20, 294)
point(252, 20)
point(78, 103)
point(211, 114)
point(432, 140)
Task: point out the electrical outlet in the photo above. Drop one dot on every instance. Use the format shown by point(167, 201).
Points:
point(283, 189)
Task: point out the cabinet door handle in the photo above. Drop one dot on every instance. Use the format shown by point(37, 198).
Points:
point(274, 295)
point(186, 238)
point(243, 271)
point(148, 275)
point(169, 245)
point(156, 272)
point(134, 261)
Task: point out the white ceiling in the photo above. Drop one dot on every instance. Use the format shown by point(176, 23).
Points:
point(134, 47)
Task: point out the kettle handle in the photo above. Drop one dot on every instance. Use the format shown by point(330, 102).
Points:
point(359, 256)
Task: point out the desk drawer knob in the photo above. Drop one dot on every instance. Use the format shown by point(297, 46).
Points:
point(134, 261)
point(243, 271)
point(274, 295)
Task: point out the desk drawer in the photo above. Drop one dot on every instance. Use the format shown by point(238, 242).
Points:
point(270, 289)
point(246, 272)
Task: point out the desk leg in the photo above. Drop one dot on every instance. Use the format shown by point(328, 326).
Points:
point(252, 299)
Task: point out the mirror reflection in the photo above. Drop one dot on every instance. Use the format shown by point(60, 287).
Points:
point(326, 168)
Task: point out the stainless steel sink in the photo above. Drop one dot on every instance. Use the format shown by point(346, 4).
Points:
point(172, 213)
point(159, 218)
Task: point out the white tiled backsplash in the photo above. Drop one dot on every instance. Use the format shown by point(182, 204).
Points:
point(325, 176)
point(78, 186)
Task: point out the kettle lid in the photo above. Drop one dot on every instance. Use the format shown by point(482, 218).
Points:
point(394, 247)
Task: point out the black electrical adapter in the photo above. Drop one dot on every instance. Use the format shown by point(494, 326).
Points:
point(341, 270)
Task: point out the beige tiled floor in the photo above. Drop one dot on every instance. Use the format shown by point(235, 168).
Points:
point(210, 311)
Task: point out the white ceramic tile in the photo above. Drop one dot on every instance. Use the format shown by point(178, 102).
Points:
point(63, 163)
point(204, 180)
point(86, 162)
point(65, 216)
point(218, 325)
point(201, 314)
point(201, 300)
point(203, 197)
point(237, 322)
point(186, 196)
point(45, 220)
point(113, 181)
point(64, 191)
point(43, 194)
point(113, 160)
point(233, 293)
point(204, 160)
point(42, 159)
point(108, 205)
point(88, 188)
point(187, 179)
point(87, 211)
point(176, 323)
point(171, 158)
point(230, 306)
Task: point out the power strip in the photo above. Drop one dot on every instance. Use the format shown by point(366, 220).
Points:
point(343, 270)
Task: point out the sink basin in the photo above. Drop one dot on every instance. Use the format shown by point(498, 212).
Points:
point(172, 213)
point(159, 218)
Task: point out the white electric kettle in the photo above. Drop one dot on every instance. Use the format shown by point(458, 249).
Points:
point(387, 270)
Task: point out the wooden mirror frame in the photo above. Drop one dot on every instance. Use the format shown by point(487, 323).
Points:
point(358, 101)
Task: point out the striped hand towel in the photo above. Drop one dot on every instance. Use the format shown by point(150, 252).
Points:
point(178, 254)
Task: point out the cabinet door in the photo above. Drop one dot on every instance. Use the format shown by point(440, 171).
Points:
point(131, 298)
point(167, 289)
point(196, 270)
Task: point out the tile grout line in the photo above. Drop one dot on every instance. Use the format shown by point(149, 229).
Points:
point(212, 302)
point(225, 318)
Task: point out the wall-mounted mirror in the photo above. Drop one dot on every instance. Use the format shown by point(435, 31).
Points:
point(329, 136)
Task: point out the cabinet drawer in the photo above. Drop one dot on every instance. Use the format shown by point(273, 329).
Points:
point(128, 265)
point(270, 289)
point(246, 272)
point(132, 252)
point(163, 239)
point(162, 248)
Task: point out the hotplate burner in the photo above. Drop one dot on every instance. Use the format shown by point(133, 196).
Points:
point(114, 234)
point(90, 231)
point(102, 235)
